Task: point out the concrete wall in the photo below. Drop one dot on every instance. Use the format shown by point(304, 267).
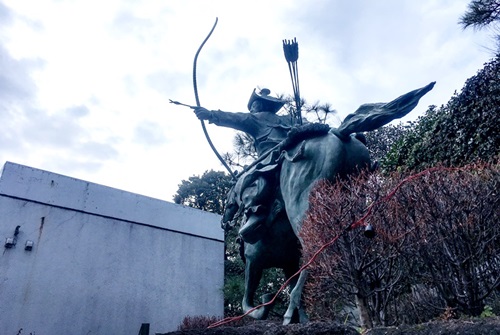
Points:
point(104, 261)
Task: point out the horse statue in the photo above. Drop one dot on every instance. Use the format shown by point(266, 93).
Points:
point(274, 210)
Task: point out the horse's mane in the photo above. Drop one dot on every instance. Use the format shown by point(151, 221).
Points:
point(303, 132)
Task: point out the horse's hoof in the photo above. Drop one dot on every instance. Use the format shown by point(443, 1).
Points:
point(287, 318)
point(294, 317)
point(303, 318)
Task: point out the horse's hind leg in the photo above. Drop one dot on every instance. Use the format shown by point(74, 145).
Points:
point(253, 274)
point(299, 313)
point(296, 311)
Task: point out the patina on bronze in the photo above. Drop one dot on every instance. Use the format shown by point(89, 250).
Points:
point(272, 195)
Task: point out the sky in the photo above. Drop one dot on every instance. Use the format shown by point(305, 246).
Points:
point(85, 84)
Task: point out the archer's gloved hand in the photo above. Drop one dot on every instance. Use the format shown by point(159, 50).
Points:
point(203, 113)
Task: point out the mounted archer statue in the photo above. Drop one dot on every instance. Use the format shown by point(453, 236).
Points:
point(272, 194)
point(257, 194)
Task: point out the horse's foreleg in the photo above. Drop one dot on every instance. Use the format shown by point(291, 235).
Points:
point(295, 308)
point(253, 274)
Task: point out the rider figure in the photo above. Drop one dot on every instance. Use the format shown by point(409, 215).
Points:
point(256, 188)
point(263, 124)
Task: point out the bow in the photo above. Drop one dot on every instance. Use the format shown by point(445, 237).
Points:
point(195, 86)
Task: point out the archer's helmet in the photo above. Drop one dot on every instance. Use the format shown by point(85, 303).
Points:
point(270, 104)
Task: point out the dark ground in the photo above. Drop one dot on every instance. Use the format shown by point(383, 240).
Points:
point(479, 326)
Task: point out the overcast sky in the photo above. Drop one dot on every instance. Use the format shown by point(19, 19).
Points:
point(85, 84)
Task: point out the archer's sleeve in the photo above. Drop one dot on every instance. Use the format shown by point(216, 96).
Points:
point(240, 121)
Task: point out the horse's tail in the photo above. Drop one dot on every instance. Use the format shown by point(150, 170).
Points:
point(369, 117)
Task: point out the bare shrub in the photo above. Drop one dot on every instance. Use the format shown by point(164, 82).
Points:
point(197, 322)
point(459, 233)
point(437, 245)
point(361, 272)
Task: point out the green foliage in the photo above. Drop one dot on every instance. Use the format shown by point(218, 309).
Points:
point(487, 312)
point(463, 131)
point(244, 151)
point(322, 112)
point(380, 141)
point(271, 282)
point(481, 13)
point(207, 192)
point(234, 286)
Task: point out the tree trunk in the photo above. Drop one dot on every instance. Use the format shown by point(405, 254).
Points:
point(364, 315)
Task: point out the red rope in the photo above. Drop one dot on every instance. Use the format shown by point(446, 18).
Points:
point(326, 245)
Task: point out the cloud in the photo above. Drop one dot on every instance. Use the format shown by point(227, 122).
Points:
point(125, 23)
point(72, 166)
point(164, 81)
point(84, 84)
point(96, 151)
point(149, 134)
point(17, 95)
point(57, 130)
point(78, 111)
point(55, 139)
point(16, 84)
point(5, 15)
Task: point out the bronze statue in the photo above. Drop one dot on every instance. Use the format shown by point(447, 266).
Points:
point(256, 186)
point(272, 195)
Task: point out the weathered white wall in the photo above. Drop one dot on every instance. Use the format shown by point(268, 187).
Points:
point(104, 261)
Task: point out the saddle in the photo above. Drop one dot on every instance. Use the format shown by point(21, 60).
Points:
point(290, 148)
